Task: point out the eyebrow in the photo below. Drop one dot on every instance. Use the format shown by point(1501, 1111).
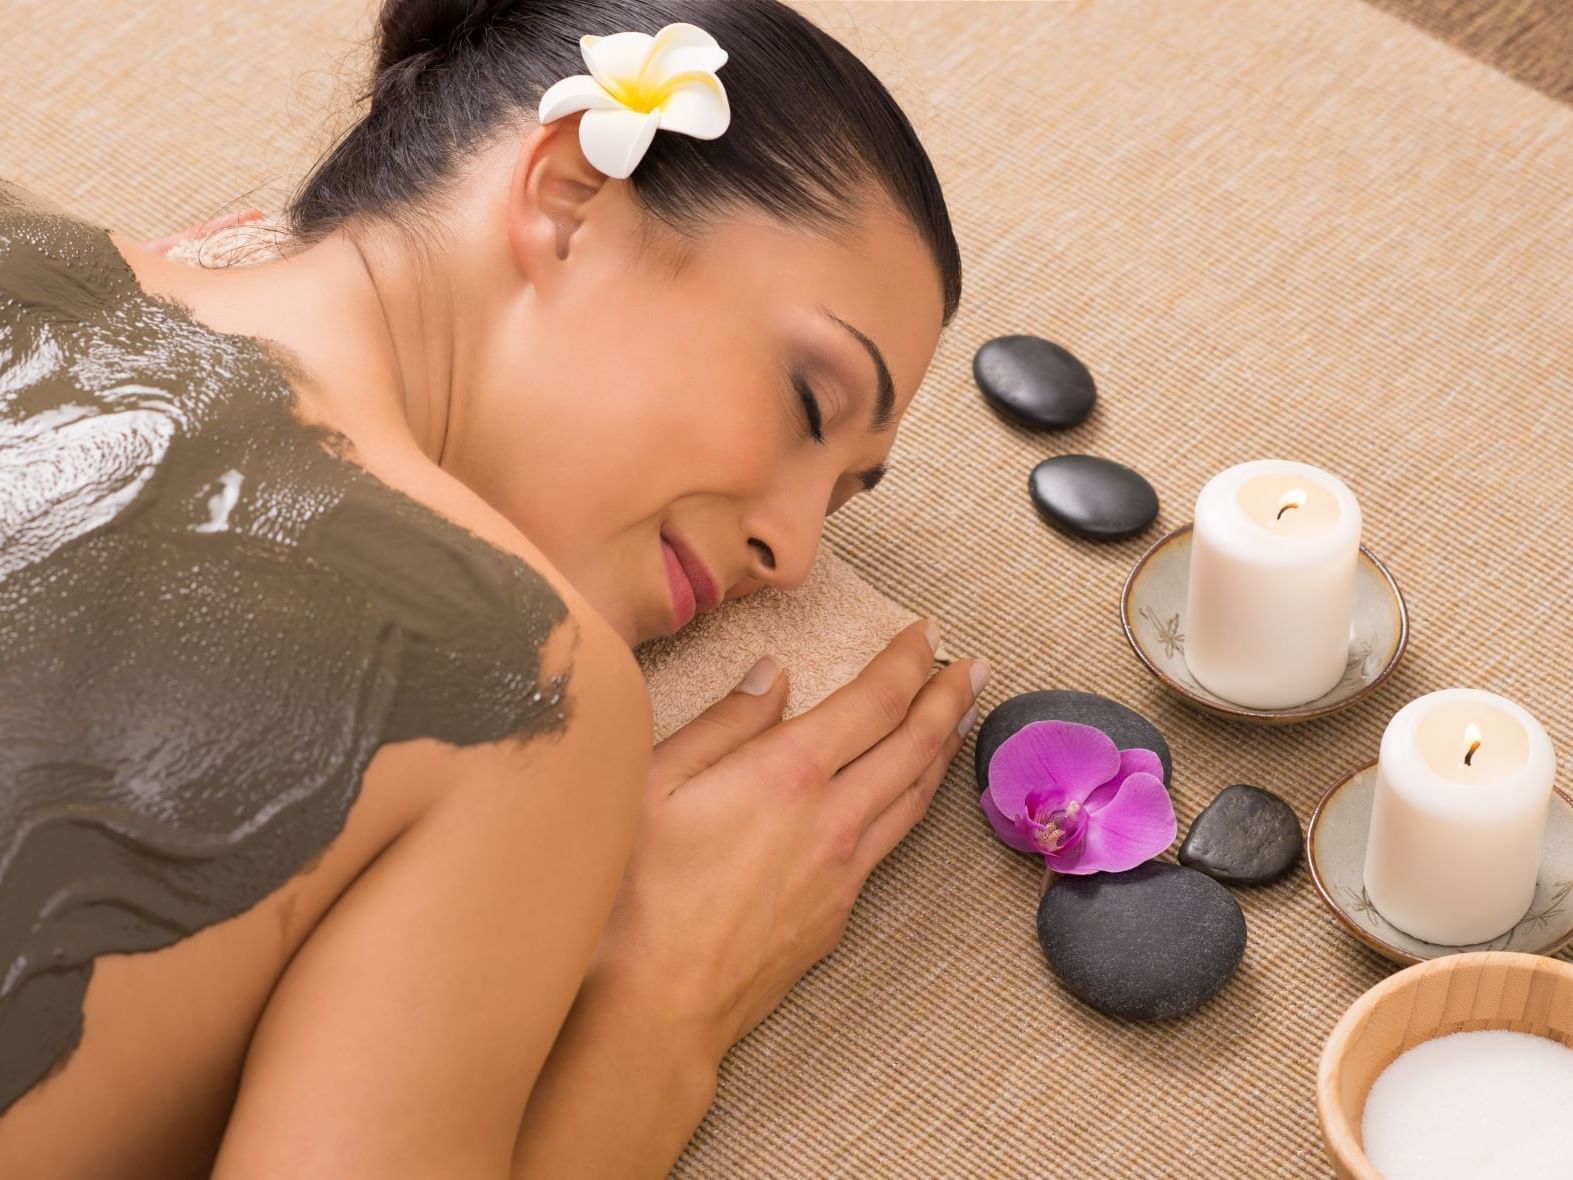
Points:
point(884, 394)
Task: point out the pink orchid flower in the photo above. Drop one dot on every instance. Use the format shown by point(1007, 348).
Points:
point(1065, 792)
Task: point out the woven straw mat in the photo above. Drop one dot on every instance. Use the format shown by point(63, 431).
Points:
point(1301, 229)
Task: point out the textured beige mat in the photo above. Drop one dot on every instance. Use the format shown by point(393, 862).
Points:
point(1531, 40)
point(1300, 228)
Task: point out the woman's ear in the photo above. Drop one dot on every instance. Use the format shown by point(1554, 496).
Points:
point(551, 186)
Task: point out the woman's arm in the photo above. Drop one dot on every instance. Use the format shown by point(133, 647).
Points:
point(622, 1091)
point(755, 841)
point(406, 1033)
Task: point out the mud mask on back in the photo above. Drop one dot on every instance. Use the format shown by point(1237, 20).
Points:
point(210, 620)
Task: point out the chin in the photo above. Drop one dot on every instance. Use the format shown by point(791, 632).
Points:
point(627, 624)
point(631, 617)
point(632, 634)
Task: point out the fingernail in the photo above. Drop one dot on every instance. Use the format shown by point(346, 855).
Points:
point(978, 675)
point(760, 677)
point(931, 631)
point(968, 720)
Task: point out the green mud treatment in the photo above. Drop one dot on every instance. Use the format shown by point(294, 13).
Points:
point(210, 620)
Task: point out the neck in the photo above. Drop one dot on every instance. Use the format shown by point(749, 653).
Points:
point(405, 308)
point(367, 318)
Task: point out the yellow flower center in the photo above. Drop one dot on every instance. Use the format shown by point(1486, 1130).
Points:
point(639, 95)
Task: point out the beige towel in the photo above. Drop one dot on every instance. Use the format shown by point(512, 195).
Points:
point(822, 632)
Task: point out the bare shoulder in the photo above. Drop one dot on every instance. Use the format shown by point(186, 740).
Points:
point(603, 688)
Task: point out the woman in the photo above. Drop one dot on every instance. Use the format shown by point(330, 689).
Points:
point(335, 842)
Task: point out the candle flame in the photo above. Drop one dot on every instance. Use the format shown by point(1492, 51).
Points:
point(1293, 498)
point(1472, 736)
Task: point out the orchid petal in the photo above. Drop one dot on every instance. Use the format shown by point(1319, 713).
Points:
point(1068, 860)
point(578, 93)
point(1140, 761)
point(1028, 829)
point(696, 106)
point(1135, 761)
point(1071, 758)
point(614, 141)
point(615, 61)
point(1042, 798)
point(1131, 828)
point(1005, 826)
point(1014, 776)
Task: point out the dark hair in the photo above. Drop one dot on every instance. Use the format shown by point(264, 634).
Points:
point(809, 120)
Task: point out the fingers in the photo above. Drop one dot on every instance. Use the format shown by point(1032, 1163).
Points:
point(745, 712)
point(863, 711)
point(890, 826)
point(869, 786)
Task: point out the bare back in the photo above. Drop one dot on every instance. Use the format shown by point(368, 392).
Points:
point(237, 667)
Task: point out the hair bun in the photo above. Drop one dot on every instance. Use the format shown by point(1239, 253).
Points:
point(406, 28)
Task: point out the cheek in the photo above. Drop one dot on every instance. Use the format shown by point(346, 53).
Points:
point(602, 423)
point(673, 395)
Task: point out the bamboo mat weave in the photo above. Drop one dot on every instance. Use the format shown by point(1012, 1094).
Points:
point(1303, 228)
point(1531, 40)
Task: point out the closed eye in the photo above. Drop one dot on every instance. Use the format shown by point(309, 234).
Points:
point(805, 394)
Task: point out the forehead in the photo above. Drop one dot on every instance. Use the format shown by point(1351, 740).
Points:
point(875, 274)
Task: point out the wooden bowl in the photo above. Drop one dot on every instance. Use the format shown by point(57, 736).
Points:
point(1461, 993)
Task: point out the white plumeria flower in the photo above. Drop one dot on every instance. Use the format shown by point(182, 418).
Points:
point(638, 85)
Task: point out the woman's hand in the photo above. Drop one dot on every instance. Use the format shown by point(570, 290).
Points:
point(755, 840)
point(757, 835)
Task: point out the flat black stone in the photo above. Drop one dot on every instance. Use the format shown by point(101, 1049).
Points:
point(1129, 729)
point(1093, 497)
point(1034, 382)
point(1246, 836)
point(1148, 944)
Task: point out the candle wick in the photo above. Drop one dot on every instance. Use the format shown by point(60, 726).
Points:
point(1284, 509)
point(1468, 757)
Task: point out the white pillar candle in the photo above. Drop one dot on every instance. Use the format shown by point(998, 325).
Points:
point(1272, 583)
point(1462, 788)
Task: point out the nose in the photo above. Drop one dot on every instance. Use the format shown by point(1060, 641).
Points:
point(783, 537)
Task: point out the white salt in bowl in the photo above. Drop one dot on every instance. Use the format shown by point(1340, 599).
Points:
point(1459, 993)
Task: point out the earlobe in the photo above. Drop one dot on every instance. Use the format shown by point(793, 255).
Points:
point(552, 183)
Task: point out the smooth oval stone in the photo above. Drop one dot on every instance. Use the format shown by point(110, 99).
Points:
point(1246, 836)
point(1093, 497)
point(1129, 729)
point(1155, 942)
point(1034, 382)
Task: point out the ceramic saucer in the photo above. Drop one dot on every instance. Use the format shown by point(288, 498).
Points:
point(1152, 607)
point(1335, 852)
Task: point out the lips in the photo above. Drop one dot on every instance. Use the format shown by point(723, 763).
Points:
point(693, 589)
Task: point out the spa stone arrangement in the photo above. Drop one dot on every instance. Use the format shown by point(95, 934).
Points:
point(1266, 609)
point(1037, 384)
